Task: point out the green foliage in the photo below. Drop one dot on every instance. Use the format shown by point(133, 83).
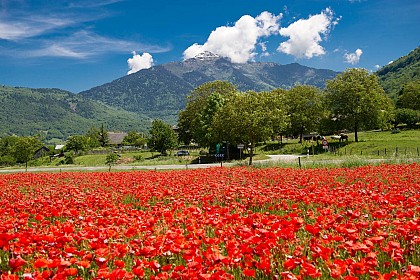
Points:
point(305, 108)
point(159, 92)
point(249, 117)
point(7, 160)
point(162, 137)
point(59, 114)
point(138, 157)
point(77, 143)
point(134, 139)
point(357, 101)
point(409, 96)
point(111, 159)
point(92, 138)
point(68, 158)
point(203, 103)
point(407, 116)
point(400, 72)
point(24, 148)
point(6, 145)
point(103, 136)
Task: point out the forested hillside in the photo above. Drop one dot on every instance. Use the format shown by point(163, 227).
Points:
point(400, 72)
point(56, 113)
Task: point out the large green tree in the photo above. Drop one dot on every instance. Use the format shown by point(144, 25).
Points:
point(202, 104)
point(92, 138)
point(24, 148)
point(162, 137)
point(357, 101)
point(249, 117)
point(77, 143)
point(409, 96)
point(305, 108)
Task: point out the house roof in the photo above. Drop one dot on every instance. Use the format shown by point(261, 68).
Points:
point(58, 147)
point(116, 138)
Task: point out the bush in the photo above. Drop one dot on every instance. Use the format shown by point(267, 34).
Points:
point(407, 116)
point(7, 160)
point(139, 157)
point(68, 158)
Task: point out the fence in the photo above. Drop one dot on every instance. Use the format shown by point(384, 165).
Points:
point(385, 152)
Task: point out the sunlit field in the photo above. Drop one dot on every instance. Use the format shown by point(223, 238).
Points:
point(219, 223)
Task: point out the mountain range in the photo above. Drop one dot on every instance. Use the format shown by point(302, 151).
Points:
point(160, 91)
point(133, 101)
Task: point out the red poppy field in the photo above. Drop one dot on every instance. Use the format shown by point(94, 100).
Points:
point(220, 223)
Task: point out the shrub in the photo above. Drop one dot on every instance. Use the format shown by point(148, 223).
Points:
point(138, 157)
point(407, 116)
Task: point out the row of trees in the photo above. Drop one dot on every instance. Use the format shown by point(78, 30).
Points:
point(217, 112)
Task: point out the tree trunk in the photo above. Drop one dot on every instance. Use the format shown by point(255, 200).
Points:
point(301, 135)
point(251, 153)
point(356, 138)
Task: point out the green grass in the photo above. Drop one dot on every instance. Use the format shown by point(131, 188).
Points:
point(382, 145)
point(129, 158)
point(371, 144)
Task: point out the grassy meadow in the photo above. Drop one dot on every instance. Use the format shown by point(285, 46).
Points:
point(380, 145)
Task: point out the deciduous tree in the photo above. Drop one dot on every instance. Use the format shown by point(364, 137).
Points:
point(304, 108)
point(249, 117)
point(162, 137)
point(357, 101)
point(76, 143)
point(111, 159)
point(24, 148)
point(409, 96)
point(202, 104)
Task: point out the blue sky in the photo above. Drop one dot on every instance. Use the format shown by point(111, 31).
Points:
point(78, 44)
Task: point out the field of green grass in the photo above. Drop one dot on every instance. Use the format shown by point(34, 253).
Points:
point(371, 144)
point(383, 145)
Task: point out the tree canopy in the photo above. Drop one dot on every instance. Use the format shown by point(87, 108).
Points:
point(409, 96)
point(162, 137)
point(249, 117)
point(202, 104)
point(357, 101)
point(305, 108)
point(134, 138)
point(25, 147)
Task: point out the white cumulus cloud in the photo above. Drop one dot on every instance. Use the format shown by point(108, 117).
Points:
point(139, 62)
point(353, 58)
point(305, 35)
point(238, 42)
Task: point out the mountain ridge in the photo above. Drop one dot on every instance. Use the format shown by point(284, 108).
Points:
point(399, 72)
point(161, 91)
point(56, 113)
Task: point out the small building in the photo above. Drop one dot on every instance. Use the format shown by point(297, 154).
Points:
point(116, 138)
point(41, 152)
